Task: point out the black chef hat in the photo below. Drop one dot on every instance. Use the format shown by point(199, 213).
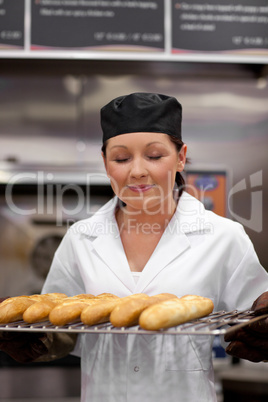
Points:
point(141, 112)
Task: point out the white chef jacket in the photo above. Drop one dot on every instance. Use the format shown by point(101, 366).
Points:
point(199, 253)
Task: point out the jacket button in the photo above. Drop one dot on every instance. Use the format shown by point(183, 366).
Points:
point(136, 368)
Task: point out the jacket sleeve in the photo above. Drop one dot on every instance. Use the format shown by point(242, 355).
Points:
point(247, 281)
point(64, 275)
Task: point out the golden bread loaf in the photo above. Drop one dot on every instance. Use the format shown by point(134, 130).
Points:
point(13, 311)
point(70, 310)
point(99, 313)
point(40, 310)
point(127, 313)
point(13, 308)
point(174, 312)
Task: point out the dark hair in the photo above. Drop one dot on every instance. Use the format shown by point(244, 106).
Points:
point(179, 179)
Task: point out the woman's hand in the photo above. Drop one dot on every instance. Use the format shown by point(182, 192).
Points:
point(251, 342)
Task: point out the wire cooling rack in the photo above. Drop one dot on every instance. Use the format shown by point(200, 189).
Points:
point(214, 324)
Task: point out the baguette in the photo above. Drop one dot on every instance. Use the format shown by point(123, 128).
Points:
point(13, 308)
point(81, 296)
point(106, 296)
point(67, 312)
point(48, 296)
point(39, 311)
point(127, 313)
point(99, 313)
point(70, 310)
point(175, 312)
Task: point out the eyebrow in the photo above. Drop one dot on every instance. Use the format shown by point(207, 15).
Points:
point(125, 147)
point(154, 142)
point(118, 146)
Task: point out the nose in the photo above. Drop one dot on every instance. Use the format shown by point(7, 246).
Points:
point(138, 168)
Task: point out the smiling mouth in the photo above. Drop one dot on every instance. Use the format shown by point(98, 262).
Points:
point(141, 188)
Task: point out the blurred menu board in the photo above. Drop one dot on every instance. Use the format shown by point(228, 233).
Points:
point(11, 24)
point(99, 24)
point(222, 26)
point(193, 30)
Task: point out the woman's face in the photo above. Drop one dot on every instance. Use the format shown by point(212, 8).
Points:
point(142, 169)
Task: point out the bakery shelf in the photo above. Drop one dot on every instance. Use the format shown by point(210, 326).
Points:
point(214, 324)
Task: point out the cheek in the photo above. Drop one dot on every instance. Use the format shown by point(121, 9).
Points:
point(116, 174)
point(166, 174)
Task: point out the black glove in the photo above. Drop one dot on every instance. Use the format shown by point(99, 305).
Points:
point(251, 341)
point(23, 347)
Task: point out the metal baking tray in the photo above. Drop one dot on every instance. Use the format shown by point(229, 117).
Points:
point(214, 324)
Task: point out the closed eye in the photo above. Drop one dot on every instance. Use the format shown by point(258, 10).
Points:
point(121, 160)
point(155, 157)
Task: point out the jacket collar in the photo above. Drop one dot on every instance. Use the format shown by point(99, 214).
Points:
point(192, 215)
point(189, 218)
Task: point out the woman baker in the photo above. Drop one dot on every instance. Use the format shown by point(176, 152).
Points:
point(153, 237)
